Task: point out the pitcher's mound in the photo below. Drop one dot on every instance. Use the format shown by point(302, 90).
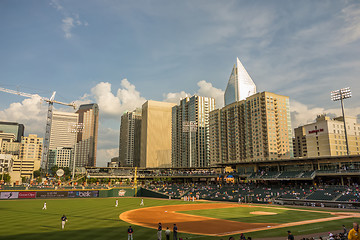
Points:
point(263, 213)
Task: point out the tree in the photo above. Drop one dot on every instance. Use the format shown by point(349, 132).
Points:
point(36, 173)
point(6, 178)
point(53, 170)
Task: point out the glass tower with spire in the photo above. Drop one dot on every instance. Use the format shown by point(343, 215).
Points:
point(240, 85)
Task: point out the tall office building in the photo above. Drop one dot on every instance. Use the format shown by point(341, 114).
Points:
point(87, 139)
point(255, 129)
point(62, 136)
point(156, 134)
point(129, 144)
point(190, 132)
point(326, 137)
point(30, 156)
point(240, 85)
point(13, 127)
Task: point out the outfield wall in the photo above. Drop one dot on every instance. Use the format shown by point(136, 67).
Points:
point(51, 194)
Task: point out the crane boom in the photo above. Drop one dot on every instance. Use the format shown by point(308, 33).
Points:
point(51, 102)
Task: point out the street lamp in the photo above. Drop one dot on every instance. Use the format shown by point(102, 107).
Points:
point(341, 94)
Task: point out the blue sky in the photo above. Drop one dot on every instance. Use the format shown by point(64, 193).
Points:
point(122, 53)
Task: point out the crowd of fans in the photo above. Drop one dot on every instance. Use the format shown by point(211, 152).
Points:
point(253, 192)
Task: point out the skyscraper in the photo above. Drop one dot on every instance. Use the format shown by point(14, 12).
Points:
point(62, 138)
point(156, 134)
point(190, 132)
point(13, 127)
point(61, 126)
point(240, 85)
point(87, 138)
point(255, 129)
point(129, 145)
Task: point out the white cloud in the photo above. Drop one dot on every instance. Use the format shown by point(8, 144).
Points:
point(175, 97)
point(55, 4)
point(351, 15)
point(302, 114)
point(126, 99)
point(104, 156)
point(31, 112)
point(207, 90)
point(68, 24)
point(69, 21)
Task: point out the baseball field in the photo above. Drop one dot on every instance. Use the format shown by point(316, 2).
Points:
point(100, 219)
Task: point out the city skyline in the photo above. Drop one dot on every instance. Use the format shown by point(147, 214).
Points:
point(120, 54)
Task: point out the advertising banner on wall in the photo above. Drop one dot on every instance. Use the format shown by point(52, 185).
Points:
point(83, 194)
point(51, 194)
point(9, 195)
point(27, 194)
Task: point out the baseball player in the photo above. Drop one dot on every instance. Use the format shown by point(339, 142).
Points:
point(175, 231)
point(159, 231)
point(44, 207)
point(130, 233)
point(63, 220)
point(142, 202)
point(116, 203)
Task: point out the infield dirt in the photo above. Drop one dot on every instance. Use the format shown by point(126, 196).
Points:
point(168, 215)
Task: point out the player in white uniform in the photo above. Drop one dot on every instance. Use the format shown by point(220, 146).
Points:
point(142, 202)
point(44, 207)
point(116, 203)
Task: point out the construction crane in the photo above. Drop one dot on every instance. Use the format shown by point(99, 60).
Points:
point(50, 101)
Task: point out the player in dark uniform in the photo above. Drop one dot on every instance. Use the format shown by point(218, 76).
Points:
point(63, 220)
point(175, 230)
point(159, 231)
point(290, 236)
point(130, 233)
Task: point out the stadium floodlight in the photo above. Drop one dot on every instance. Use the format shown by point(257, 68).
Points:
point(339, 95)
point(189, 126)
point(75, 128)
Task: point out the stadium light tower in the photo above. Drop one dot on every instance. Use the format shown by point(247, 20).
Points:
point(341, 94)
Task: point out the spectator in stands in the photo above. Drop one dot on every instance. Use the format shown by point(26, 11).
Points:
point(290, 236)
point(354, 233)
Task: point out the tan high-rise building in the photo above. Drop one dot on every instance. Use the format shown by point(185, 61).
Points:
point(129, 145)
point(299, 142)
point(156, 134)
point(62, 135)
point(190, 132)
point(87, 139)
point(30, 156)
point(255, 129)
point(326, 137)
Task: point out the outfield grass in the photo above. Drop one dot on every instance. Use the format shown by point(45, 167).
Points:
point(99, 219)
